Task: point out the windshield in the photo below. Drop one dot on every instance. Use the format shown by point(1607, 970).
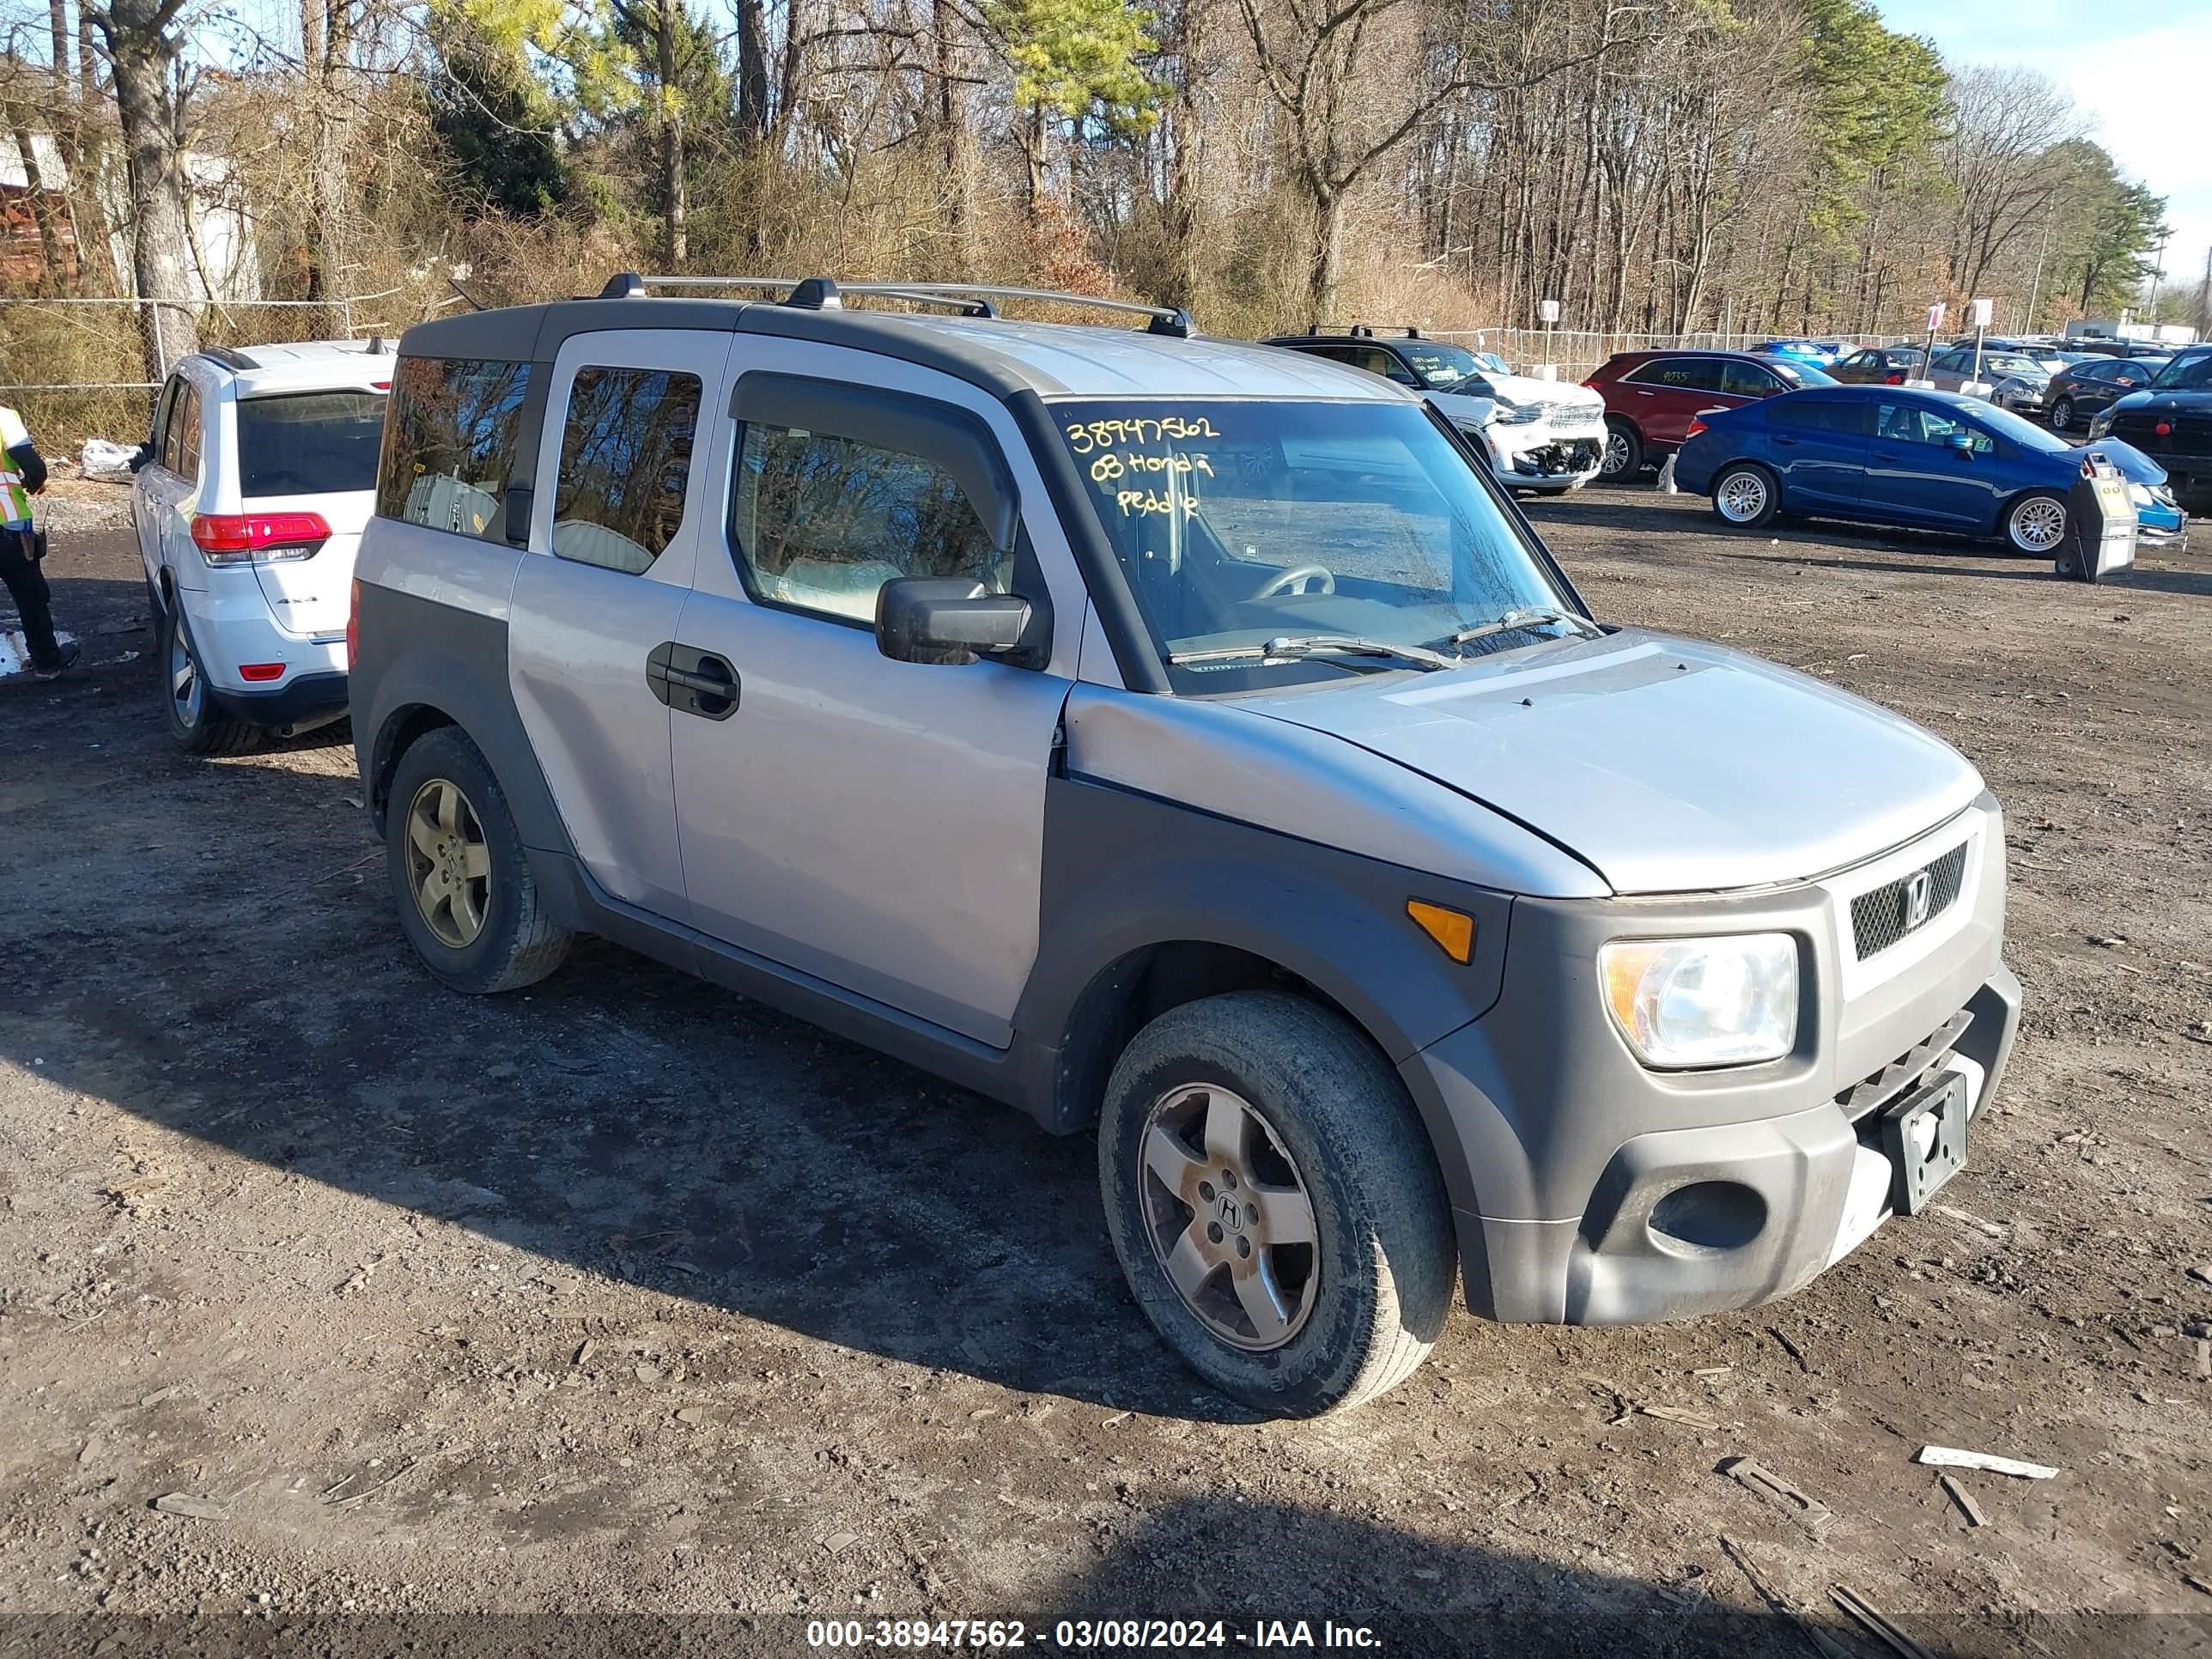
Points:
point(1804, 375)
point(309, 443)
point(1440, 366)
point(1242, 522)
point(2185, 374)
point(2021, 431)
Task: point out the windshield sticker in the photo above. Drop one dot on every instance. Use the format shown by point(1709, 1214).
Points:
point(1089, 436)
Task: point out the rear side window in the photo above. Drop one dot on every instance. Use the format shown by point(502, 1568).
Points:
point(1748, 380)
point(1803, 413)
point(180, 443)
point(450, 440)
point(821, 523)
point(309, 443)
point(1680, 375)
point(625, 465)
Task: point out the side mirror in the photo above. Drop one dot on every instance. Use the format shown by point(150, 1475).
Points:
point(935, 619)
point(1962, 443)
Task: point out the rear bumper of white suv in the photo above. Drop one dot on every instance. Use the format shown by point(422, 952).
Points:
point(232, 628)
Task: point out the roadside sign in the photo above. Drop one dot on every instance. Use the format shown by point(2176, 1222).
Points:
point(1547, 311)
point(1934, 316)
point(1978, 313)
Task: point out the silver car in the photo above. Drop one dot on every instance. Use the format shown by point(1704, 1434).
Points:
point(1186, 743)
point(2015, 380)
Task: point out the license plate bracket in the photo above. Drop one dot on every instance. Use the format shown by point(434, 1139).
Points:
point(1924, 1137)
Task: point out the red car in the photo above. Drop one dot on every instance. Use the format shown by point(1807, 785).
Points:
point(1652, 397)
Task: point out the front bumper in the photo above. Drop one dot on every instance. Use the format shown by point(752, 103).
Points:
point(1546, 455)
point(1588, 1189)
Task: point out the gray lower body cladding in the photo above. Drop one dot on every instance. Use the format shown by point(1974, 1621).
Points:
point(1576, 1146)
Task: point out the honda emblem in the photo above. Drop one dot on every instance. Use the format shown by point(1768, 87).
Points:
point(1918, 891)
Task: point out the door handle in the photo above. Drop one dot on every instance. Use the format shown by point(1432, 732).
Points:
point(692, 681)
point(1784, 443)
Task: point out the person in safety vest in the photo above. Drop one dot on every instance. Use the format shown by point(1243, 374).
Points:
point(23, 475)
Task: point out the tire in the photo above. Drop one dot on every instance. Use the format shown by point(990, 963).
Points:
point(197, 726)
point(1623, 455)
point(2029, 528)
point(481, 925)
point(2061, 415)
point(1746, 495)
point(1359, 1306)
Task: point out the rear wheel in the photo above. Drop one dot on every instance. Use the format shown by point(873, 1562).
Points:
point(1746, 495)
point(196, 724)
point(2061, 415)
point(467, 900)
point(1272, 1198)
point(2035, 524)
point(1623, 452)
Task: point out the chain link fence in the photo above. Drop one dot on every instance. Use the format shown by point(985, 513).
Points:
point(72, 368)
point(1574, 352)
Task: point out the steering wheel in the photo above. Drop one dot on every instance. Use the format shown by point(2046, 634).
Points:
point(1295, 580)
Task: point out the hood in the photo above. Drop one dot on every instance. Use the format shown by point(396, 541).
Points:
point(1521, 391)
point(1666, 765)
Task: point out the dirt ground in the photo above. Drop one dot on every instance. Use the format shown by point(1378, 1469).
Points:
point(624, 1315)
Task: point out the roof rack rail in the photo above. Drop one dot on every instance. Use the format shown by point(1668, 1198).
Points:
point(229, 356)
point(972, 298)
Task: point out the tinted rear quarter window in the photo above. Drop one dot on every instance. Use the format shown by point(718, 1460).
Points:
point(1800, 414)
point(309, 443)
point(625, 465)
point(1680, 375)
point(449, 441)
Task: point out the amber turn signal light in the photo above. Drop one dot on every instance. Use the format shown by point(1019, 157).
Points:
point(1453, 929)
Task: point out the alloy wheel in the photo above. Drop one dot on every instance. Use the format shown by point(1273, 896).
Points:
point(2061, 415)
point(2039, 524)
point(1227, 1216)
point(1742, 497)
point(186, 689)
point(1615, 459)
point(448, 863)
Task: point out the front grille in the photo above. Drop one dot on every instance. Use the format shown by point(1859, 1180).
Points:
point(1883, 917)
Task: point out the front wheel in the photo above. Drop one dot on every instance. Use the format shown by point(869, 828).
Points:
point(2035, 524)
point(1272, 1198)
point(2061, 415)
point(1624, 453)
point(1747, 496)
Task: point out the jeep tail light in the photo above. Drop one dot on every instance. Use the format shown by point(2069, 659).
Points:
point(353, 626)
point(259, 537)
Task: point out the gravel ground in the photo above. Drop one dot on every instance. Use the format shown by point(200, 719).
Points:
point(625, 1315)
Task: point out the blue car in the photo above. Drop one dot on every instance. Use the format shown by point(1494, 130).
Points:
point(1920, 460)
point(1818, 353)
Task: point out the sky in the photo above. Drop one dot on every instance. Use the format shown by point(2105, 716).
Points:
point(2140, 68)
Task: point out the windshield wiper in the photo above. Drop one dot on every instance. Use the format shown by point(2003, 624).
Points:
point(1526, 617)
point(1318, 645)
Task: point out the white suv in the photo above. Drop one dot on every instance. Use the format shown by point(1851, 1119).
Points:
point(249, 502)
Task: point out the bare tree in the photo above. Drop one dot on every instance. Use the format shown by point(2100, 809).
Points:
point(2005, 124)
point(143, 54)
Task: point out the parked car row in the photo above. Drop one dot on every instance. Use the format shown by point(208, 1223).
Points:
point(1153, 732)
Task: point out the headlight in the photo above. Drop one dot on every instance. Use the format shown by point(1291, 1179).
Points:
point(1685, 1002)
point(1517, 414)
point(2101, 423)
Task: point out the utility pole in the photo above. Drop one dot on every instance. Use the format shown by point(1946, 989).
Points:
point(2035, 288)
point(2158, 274)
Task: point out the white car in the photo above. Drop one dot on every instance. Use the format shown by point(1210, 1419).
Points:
point(1540, 436)
point(249, 501)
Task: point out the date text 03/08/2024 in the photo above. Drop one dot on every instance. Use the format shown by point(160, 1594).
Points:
point(1087, 1635)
